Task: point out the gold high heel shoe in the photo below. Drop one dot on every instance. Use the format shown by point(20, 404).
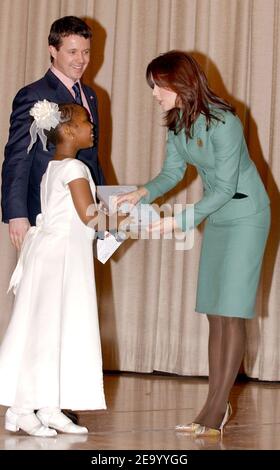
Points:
point(191, 427)
point(206, 431)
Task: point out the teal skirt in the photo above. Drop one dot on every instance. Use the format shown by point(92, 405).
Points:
point(230, 265)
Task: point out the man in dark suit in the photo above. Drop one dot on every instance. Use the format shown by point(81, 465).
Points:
point(69, 47)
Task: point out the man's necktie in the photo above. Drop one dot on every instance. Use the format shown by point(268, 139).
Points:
point(78, 96)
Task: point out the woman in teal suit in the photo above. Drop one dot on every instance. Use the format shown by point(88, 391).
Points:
point(204, 131)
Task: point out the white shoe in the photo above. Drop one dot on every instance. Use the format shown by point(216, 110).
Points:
point(57, 420)
point(28, 423)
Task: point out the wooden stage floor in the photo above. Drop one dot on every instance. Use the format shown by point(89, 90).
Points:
point(143, 410)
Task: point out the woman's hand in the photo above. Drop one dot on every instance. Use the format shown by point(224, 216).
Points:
point(163, 226)
point(133, 197)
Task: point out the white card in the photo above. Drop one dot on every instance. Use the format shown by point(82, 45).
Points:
point(103, 249)
point(107, 194)
point(141, 215)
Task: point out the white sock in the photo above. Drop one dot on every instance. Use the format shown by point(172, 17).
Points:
point(49, 410)
point(21, 411)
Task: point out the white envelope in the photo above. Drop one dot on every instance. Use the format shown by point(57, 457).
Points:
point(103, 249)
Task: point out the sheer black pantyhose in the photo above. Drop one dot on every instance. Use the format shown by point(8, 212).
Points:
point(226, 350)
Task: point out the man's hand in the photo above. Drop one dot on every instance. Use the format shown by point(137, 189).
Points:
point(17, 231)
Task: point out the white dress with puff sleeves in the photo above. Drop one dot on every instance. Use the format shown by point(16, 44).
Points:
point(51, 353)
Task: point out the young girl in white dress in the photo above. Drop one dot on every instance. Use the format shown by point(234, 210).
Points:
point(50, 358)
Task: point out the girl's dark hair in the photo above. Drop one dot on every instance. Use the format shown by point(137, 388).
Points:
point(67, 110)
point(179, 72)
point(65, 27)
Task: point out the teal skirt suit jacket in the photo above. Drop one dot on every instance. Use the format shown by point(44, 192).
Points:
point(236, 208)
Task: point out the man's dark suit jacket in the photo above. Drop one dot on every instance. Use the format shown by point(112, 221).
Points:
point(22, 172)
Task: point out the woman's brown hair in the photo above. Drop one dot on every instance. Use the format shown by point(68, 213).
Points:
point(179, 72)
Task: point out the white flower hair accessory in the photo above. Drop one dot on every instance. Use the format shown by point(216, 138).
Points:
point(46, 116)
